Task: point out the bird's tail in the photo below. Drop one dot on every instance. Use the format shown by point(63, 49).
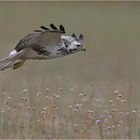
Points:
point(9, 62)
point(6, 64)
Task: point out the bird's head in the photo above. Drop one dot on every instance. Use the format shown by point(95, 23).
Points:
point(73, 43)
point(76, 44)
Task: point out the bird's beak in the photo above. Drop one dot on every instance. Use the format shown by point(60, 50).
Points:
point(83, 49)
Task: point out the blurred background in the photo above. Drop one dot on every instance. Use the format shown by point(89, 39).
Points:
point(111, 32)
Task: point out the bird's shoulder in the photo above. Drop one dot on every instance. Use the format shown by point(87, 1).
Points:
point(25, 41)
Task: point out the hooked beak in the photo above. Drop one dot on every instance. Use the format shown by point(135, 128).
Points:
point(80, 47)
point(83, 49)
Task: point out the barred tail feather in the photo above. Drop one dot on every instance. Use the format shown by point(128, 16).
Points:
point(10, 61)
point(5, 65)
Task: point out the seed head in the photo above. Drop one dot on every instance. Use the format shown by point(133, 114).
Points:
point(44, 108)
point(78, 105)
point(134, 111)
point(125, 101)
point(54, 95)
point(113, 126)
point(120, 95)
point(9, 97)
point(47, 97)
point(28, 108)
point(75, 110)
point(33, 108)
point(85, 94)
point(14, 110)
point(57, 96)
point(81, 95)
point(71, 90)
point(70, 107)
point(3, 93)
point(60, 89)
point(111, 101)
point(38, 121)
point(127, 113)
point(25, 91)
point(105, 120)
point(47, 90)
point(76, 125)
point(118, 125)
point(113, 110)
point(25, 99)
point(42, 112)
point(116, 92)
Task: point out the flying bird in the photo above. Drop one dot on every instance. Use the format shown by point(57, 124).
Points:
point(45, 43)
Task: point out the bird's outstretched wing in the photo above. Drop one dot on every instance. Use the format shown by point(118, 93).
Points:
point(48, 39)
point(45, 37)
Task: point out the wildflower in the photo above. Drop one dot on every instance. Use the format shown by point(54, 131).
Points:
point(98, 121)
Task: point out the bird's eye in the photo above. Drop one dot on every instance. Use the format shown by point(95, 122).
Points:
point(78, 45)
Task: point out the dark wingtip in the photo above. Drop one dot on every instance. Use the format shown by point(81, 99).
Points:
point(37, 30)
point(44, 28)
point(53, 27)
point(62, 29)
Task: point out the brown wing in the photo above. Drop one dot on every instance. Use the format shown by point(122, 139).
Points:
point(49, 39)
point(46, 42)
point(46, 37)
point(26, 41)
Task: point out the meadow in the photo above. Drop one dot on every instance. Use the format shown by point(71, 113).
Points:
point(67, 113)
point(88, 95)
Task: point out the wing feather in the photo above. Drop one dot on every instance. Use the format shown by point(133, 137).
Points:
point(45, 37)
point(53, 27)
point(49, 39)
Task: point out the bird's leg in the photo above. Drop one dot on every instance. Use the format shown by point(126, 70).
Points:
point(18, 64)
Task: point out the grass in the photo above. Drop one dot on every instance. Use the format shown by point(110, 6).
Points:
point(67, 113)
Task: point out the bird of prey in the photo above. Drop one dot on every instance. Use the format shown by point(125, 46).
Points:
point(43, 44)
